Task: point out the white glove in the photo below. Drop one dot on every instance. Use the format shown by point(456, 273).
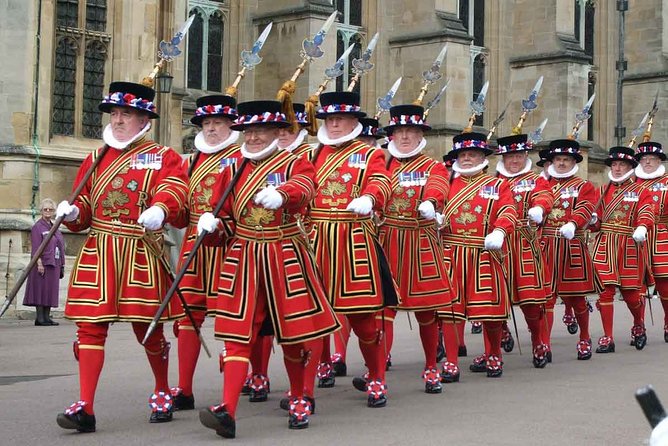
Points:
point(594, 219)
point(640, 234)
point(427, 210)
point(207, 223)
point(269, 198)
point(440, 218)
point(536, 214)
point(361, 205)
point(68, 211)
point(568, 231)
point(494, 240)
point(659, 435)
point(152, 218)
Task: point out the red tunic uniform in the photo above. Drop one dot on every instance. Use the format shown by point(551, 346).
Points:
point(411, 242)
point(476, 206)
point(117, 276)
point(618, 259)
point(347, 251)
point(657, 240)
point(268, 256)
point(526, 274)
point(568, 266)
point(199, 283)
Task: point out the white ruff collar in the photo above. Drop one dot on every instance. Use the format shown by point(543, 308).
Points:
point(324, 139)
point(640, 173)
point(392, 148)
point(202, 146)
point(262, 154)
point(553, 173)
point(108, 137)
point(502, 169)
point(620, 179)
point(471, 170)
point(297, 142)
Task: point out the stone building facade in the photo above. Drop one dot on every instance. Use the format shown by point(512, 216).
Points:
point(62, 54)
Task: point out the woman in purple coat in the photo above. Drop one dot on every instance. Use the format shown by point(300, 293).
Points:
point(42, 287)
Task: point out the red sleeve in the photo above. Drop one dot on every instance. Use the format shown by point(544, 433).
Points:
point(438, 186)
point(377, 184)
point(646, 210)
point(584, 205)
point(507, 214)
point(542, 196)
point(299, 189)
point(171, 186)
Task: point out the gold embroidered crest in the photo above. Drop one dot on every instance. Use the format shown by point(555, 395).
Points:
point(398, 205)
point(332, 189)
point(556, 214)
point(466, 218)
point(259, 216)
point(117, 183)
point(115, 200)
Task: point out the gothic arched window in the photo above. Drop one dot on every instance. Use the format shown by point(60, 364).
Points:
point(349, 31)
point(80, 58)
point(206, 41)
point(478, 82)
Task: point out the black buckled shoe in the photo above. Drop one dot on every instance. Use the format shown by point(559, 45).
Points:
point(361, 383)
point(299, 410)
point(326, 375)
point(507, 342)
point(161, 407)
point(584, 349)
point(494, 366)
point(548, 355)
point(181, 401)
point(217, 418)
point(285, 403)
point(462, 352)
point(74, 417)
point(605, 345)
point(450, 373)
point(259, 389)
point(432, 380)
point(340, 368)
point(479, 364)
point(571, 323)
point(540, 356)
point(639, 335)
point(377, 394)
point(476, 327)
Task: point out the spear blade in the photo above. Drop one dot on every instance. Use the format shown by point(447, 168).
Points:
point(530, 104)
point(336, 70)
point(385, 102)
point(434, 102)
point(641, 126)
point(311, 48)
point(537, 135)
point(433, 74)
point(249, 59)
point(478, 106)
point(655, 105)
point(170, 50)
point(363, 64)
point(501, 117)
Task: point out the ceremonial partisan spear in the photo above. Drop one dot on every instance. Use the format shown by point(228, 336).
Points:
point(497, 121)
point(433, 74)
point(331, 73)
point(477, 107)
point(248, 60)
point(363, 65)
point(310, 51)
point(528, 105)
point(167, 52)
point(434, 102)
point(384, 103)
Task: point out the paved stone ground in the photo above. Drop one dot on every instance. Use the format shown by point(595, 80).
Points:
point(569, 402)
